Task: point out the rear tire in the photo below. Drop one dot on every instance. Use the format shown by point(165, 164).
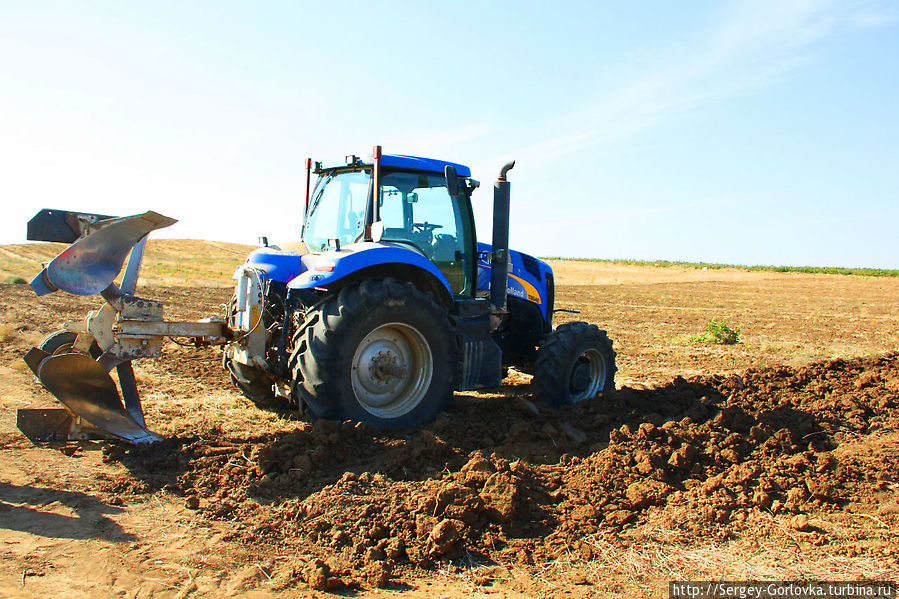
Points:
point(380, 352)
point(575, 362)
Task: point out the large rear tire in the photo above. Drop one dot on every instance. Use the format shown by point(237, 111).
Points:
point(380, 352)
point(575, 362)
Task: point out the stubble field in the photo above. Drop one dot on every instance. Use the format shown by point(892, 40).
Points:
point(772, 458)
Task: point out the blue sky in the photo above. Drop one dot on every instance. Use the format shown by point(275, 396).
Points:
point(760, 132)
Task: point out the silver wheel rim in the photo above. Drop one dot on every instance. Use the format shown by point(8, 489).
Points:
point(588, 376)
point(392, 370)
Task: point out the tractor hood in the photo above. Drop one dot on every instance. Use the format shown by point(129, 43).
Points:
point(307, 271)
point(279, 265)
point(528, 277)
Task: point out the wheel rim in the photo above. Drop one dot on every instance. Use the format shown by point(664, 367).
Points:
point(392, 370)
point(588, 376)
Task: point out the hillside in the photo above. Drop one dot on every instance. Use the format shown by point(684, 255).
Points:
point(178, 262)
point(193, 262)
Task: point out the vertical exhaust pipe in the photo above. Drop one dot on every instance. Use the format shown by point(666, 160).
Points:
point(499, 262)
point(308, 181)
point(374, 211)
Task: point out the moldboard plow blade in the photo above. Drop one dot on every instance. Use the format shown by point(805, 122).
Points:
point(91, 263)
point(74, 364)
point(83, 386)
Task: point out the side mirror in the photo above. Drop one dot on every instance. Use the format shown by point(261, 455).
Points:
point(452, 180)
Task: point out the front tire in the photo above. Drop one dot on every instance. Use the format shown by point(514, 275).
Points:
point(256, 385)
point(575, 362)
point(380, 352)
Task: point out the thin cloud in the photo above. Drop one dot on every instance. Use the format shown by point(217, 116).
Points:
point(874, 19)
point(755, 43)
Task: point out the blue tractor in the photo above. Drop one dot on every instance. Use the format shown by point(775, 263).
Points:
point(393, 305)
point(396, 304)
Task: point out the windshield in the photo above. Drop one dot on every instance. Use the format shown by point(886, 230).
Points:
point(337, 209)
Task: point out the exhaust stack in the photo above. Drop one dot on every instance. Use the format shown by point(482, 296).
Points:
point(499, 262)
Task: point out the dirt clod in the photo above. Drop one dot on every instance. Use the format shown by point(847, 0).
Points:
point(800, 522)
point(317, 575)
point(444, 537)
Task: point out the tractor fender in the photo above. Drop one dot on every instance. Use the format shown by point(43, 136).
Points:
point(334, 269)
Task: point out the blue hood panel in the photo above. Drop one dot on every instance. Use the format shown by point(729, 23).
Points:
point(280, 266)
point(527, 279)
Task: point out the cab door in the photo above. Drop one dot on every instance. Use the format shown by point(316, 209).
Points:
point(417, 211)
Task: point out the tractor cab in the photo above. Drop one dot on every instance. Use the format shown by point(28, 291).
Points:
point(415, 211)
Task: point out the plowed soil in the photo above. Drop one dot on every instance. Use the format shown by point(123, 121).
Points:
point(774, 458)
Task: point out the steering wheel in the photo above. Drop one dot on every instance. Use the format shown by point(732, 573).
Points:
point(425, 232)
point(426, 227)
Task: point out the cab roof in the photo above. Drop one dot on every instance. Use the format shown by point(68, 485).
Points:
point(423, 164)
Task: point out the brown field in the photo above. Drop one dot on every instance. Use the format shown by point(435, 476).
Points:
point(772, 458)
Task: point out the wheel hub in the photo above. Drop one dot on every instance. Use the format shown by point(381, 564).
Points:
point(580, 377)
point(391, 370)
point(588, 376)
point(385, 367)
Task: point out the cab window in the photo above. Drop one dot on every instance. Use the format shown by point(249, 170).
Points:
point(418, 212)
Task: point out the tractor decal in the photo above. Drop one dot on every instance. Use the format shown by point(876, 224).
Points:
point(530, 291)
point(524, 289)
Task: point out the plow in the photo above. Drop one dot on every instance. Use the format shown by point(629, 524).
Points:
point(393, 306)
point(74, 364)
